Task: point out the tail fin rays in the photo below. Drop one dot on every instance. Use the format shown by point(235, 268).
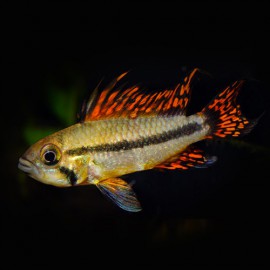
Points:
point(224, 115)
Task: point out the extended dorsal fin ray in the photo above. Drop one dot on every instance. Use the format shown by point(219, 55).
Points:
point(132, 102)
point(89, 105)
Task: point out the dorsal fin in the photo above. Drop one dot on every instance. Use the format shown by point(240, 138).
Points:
point(89, 106)
point(132, 102)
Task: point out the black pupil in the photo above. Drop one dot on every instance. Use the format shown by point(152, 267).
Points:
point(50, 156)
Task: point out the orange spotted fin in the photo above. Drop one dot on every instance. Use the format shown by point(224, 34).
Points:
point(94, 102)
point(120, 193)
point(191, 157)
point(224, 115)
point(131, 102)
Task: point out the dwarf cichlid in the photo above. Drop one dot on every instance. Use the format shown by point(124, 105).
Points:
point(124, 130)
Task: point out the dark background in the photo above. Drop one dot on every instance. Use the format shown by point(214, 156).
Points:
point(211, 216)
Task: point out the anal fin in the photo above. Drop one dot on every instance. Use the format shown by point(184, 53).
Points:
point(191, 157)
point(121, 193)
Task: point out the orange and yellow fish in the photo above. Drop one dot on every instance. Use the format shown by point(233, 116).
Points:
point(122, 131)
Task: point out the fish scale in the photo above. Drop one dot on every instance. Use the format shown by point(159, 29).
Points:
point(151, 154)
point(113, 130)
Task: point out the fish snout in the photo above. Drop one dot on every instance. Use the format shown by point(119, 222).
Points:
point(26, 161)
point(25, 165)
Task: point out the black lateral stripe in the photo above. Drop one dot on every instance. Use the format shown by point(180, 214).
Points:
point(139, 143)
point(72, 177)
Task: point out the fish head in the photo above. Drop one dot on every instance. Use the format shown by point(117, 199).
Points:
point(46, 162)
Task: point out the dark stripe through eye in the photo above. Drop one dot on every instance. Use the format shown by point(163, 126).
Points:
point(139, 143)
point(72, 177)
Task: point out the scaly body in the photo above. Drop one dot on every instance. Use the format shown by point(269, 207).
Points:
point(122, 132)
point(120, 146)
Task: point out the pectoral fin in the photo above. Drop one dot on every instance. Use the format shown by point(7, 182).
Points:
point(120, 193)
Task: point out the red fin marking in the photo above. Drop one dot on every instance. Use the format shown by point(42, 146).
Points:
point(189, 158)
point(224, 116)
point(132, 102)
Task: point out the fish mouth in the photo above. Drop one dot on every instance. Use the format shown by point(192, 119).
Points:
point(25, 165)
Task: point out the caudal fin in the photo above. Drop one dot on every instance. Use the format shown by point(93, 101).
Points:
point(224, 115)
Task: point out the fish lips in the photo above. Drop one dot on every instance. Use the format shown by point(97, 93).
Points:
point(27, 166)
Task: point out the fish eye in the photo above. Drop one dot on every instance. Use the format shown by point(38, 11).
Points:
point(50, 154)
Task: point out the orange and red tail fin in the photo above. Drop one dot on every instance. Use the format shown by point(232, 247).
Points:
point(225, 116)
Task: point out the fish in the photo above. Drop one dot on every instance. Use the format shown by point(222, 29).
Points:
point(122, 130)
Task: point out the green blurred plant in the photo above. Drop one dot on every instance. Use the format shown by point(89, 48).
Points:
point(32, 134)
point(63, 104)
